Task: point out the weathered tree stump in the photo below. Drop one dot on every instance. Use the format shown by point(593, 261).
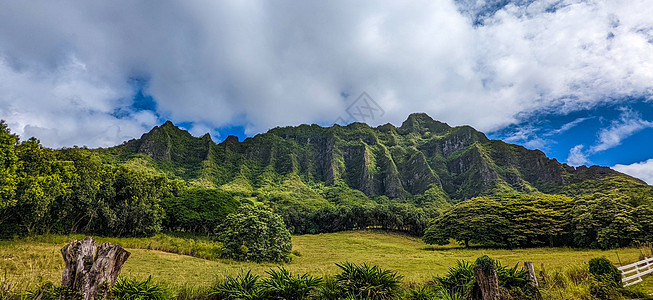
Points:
point(488, 282)
point(91, 269)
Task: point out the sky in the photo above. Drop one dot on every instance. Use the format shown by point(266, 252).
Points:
point(573, 78)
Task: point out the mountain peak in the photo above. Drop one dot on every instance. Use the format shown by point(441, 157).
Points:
point(421, 122)
point(168, 123)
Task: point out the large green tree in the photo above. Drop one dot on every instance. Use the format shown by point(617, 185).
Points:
point(478, 220)
point(198, 210)
point(254, 233)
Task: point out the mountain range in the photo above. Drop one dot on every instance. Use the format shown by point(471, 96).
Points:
point(422, 155)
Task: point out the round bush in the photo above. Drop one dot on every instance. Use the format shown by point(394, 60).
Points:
point(254, 233)
point(603, 269)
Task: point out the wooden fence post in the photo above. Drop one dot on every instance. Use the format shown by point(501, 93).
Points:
point(91, 270)
point(531, 273)
point(543, 275)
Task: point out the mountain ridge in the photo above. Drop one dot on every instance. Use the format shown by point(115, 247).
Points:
point(396, 162)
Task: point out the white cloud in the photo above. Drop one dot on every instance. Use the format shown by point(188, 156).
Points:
point(628, 124)
point(577, 157)
point(567, 126)
point(642, 170)
point(64, 66)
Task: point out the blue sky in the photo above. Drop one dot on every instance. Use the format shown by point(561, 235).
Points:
point(573, 78)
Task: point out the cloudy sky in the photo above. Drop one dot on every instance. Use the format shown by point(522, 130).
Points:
point(573, 78)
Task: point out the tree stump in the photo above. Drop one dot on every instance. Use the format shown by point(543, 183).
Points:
point(91, 270)
point(488, 282)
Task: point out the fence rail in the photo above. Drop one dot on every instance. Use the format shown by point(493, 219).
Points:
point(632, 273)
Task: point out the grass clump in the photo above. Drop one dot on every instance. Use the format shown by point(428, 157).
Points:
point(370, 282)
point(282, 285)
point(243, 286)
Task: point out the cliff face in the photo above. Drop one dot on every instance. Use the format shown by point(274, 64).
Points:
point(384, 161)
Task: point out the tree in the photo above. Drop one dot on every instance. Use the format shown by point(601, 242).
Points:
point(136, 209)
point(605, 221)
point(41, 179)
point(198, 210)
point(476, 220)
point(535, 219)
point(8, 166)
point(254, 233)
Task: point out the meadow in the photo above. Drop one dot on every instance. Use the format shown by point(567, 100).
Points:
point(27, 262)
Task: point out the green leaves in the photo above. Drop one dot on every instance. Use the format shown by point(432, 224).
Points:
point(280, 285)
point(503, 220)
point(259, 230)
point(134, 289)
point(479, 220)
point(245, 286)
point(198, 210)
point(283, 285)
point(368, 282)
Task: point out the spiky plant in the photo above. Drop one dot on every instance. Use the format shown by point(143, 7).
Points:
point(283, 285)
point(244, 286)
point(134, 289)
point(458, 279)
point(370, 282)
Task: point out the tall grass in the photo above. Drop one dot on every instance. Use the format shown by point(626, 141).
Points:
point(191, 245)
point(29, 262)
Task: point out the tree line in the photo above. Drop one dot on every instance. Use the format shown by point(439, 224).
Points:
point(396, 216)
point(530, 220)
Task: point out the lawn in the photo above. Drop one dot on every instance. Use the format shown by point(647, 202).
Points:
point(29, 261)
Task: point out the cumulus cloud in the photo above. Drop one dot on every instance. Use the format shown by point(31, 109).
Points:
point(65, 66)
point(577, 157)
point(642, 170)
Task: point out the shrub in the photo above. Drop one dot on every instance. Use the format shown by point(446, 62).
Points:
point(604, 270)
point(47, 291)
point(458, 279)
point(134, 289)
point(330, 289)
point(371, 282)
point(243, 286)
point(282, 285)
point(254, 233)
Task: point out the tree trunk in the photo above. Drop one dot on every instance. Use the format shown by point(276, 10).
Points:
point(488, 282)
point(91, 270)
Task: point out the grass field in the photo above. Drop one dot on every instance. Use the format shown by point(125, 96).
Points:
point(26, 262)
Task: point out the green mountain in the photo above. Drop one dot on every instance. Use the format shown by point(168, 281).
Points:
point(421, 156)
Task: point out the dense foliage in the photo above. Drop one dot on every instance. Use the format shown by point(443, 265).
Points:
point(526, 220)
point(254, 233)
point(71, 191)
point(333, 218)
point(367, 282)
point(604, 270)
point(198, 210)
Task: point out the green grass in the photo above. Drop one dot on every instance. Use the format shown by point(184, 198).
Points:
point(26, 262)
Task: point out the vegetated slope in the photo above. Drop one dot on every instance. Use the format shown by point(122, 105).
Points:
point(422, 156)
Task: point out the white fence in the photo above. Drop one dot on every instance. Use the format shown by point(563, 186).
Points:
point(632, 273)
